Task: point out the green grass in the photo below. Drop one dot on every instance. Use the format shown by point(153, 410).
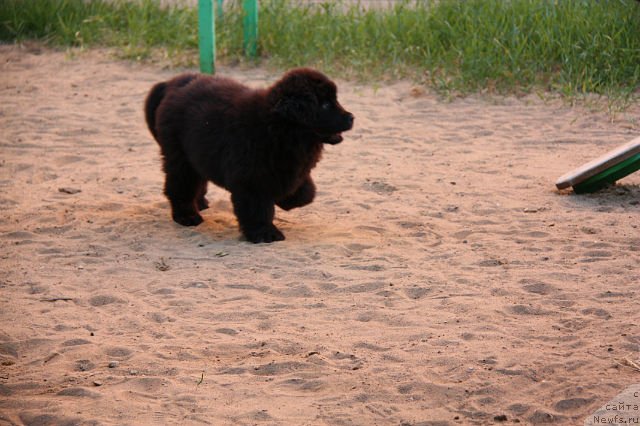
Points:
point(138, 29)
point(566, 46)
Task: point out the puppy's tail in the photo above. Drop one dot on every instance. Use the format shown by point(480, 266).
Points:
point(151, 105)
point(157, 94)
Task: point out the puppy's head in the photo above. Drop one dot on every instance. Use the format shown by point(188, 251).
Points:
point(309, 99)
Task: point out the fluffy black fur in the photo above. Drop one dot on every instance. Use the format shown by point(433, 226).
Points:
point(260, 145)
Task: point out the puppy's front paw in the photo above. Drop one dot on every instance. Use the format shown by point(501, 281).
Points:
point(266, 234)
point(188, 219)
point(203, 203)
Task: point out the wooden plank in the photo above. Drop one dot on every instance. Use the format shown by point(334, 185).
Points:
point(600, 164)
point(609, 176)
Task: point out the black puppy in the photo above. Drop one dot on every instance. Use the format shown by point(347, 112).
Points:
point(258, 144)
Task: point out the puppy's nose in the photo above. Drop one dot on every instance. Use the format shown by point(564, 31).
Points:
point(350, 119)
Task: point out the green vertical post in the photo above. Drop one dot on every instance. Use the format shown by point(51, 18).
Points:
point(250, 8)
point(219, 10)
point(206, 36)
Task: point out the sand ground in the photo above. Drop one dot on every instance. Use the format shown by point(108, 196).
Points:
point(438, 279)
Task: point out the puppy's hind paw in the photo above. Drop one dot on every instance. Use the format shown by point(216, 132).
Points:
point(188, 219)
point(267, 234)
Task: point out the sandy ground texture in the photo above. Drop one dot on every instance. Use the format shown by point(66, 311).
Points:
point(438, 279)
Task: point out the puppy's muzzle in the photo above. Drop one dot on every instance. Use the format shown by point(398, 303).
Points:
point(347, 124)
point(349, 120)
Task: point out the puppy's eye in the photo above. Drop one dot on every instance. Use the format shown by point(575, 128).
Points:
point(326, 105)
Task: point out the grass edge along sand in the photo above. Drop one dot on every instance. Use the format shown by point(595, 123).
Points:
point(568, 47)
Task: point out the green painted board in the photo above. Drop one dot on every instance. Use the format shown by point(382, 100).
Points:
point(604, 170)
point(609, 176)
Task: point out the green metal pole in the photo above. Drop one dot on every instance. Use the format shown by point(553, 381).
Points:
point(250, 8)
point(207, 37)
